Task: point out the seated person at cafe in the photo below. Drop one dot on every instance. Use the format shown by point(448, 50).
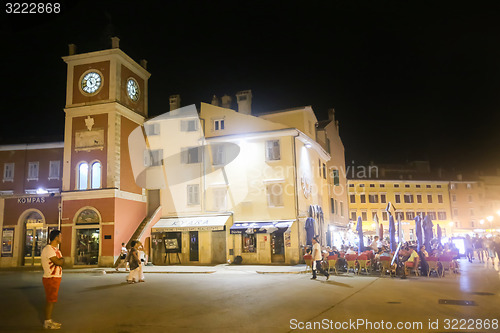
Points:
point(384, 252)
point(350, 250)
point(375, 244)
point(412, 256)
point(334, 251)
point(424, 252)
point(424, 266)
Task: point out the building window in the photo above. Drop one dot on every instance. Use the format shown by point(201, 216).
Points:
point(96, 175)
point(410, 215)
point(189, 125)
point(219, 124)
point(469, 186)
point(336, 179)
point(374, 213)
point(427, 186)
point(328, 146)
point(364, 216)
point(453, 186)
point(396, 185)
point(471, 210)
point(191, 155)
point(83, 176)
point(419, 198)
point(400, 216)
point(275, 195)
point(407, 185)
point(438, 186)
point(332, 206)
point(249, 244)
point(324, 171)
point(353, 198)
point(432, 215)
point(372, 185)
point(398, 198)
point(353, 216)
point(453, 197)
point(341, 204)
point(273, 150)
point(441, 216)
point(362, 198)
point(384, 216)
point(54, 169)
point(8, 172)
point(152, 129)
point(153, 157)
point(218, 155)
point(457, 225)
point(382, 185)
point(361, 185)
point(351, 185)
point(373, 198)
point(219, 197)
point(417, 186)
point(429, 198)
point(470, 198)
point(382, 198)
point(455, 212)
point(408, 198)
point(193, 194)
point(440, 198)
point(472, 224)
point(33, 168)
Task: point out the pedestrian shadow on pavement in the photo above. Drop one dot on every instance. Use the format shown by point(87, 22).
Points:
point(339, 284)
point(107, 286)
point(36, 297)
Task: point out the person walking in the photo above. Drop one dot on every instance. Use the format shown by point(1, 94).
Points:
point(469, 251)
point(134, 263)
point(316, 259)
point(52, 262)
point(123, 256)
point(142, 259)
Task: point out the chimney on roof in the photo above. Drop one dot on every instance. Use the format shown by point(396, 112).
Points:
point(459, 177)
point(115, 42)
point(331, 114)
point(144, 64)
point(71, 49)
point(440, 172)
point(226, 101)
point(215, 101)
point(244, 99)
point(337, 126)
point(175, 102)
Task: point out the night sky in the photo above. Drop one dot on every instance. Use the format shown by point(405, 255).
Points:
point(409, 80)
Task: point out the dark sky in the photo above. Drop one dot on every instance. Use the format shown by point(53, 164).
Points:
point(408, 79)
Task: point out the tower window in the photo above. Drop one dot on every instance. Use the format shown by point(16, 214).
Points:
point(92, 180)
point(83, 176)
point(96, 175)
point(33, 168)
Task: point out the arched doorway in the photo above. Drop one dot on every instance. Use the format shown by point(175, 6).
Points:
point(87, 238)
point(35, 237)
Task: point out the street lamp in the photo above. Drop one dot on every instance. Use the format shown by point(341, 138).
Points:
point(490, 218)
point(481, 221)
point(498, 212)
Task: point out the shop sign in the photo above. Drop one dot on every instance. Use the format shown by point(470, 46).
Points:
point(7, 241)
point(31, 200)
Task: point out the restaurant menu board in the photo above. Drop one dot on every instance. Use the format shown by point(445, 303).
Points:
point(171, 246)
point(7, 241)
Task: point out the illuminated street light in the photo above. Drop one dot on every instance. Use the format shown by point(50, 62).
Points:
point(450, 224)
point(498, 212)
point(490, 218)
point(482, 221)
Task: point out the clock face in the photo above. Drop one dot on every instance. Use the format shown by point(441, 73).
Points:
point(91, 82)
point(133, 89)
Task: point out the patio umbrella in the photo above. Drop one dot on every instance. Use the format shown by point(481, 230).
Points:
point(400, 230)
point(377, 226)
point(418, 231)
point(321, 219)
point(381, 232)
point(309, 230)
point(439, 233)
point(427, 228)
point(392, 233)
point(359, 229)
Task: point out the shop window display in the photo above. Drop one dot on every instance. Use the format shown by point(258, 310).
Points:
point(249, 243)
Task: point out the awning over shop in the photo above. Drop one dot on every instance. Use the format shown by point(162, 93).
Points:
point(200, 223)
point(260, 227)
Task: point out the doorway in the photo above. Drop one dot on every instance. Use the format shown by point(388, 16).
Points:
point(194, 250)
point(277, 247)
point(87, 246)
point(35, 239)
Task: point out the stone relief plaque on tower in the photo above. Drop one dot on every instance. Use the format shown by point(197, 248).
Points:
point(89, 140)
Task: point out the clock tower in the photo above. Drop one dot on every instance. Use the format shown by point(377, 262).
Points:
point(102, 206)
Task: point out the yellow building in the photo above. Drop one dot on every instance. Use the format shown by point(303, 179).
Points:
point(233, 184)
point(368, 197)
